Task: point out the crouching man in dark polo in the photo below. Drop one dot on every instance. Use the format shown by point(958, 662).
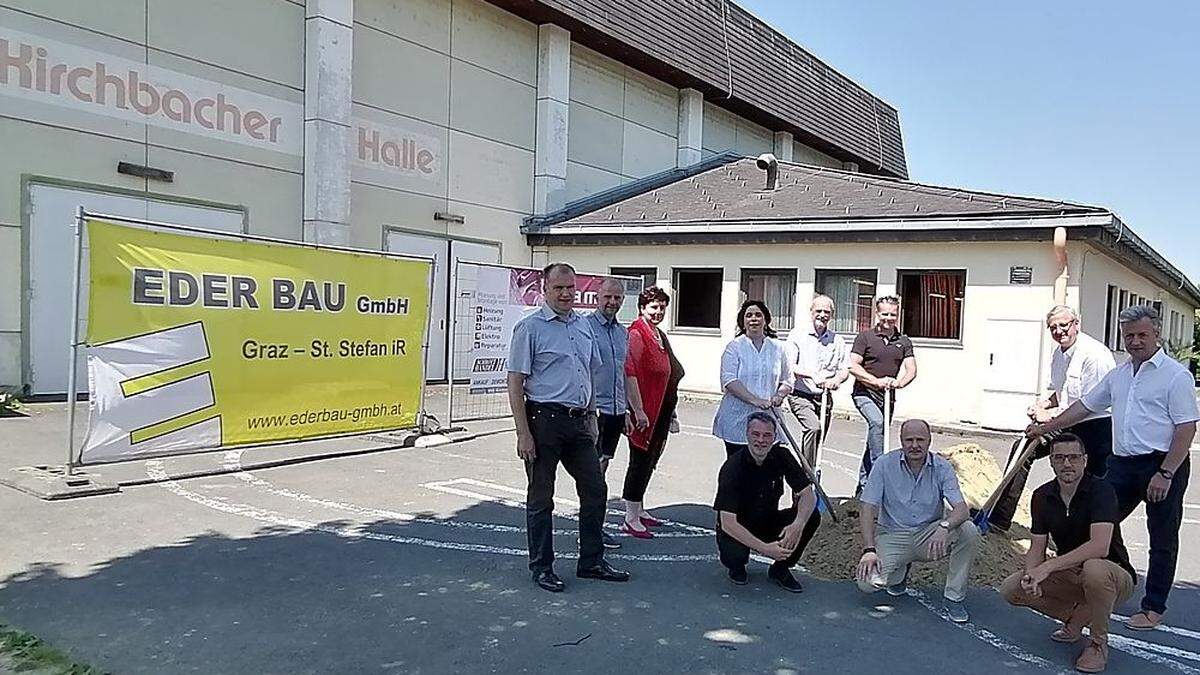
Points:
point(1091, 573)
point(747, 505)
point(551, 363)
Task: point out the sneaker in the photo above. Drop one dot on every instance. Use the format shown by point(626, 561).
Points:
point(956, 611)
point(901, 588)
point(739, 576)
point(783, 576)
point(609, 540)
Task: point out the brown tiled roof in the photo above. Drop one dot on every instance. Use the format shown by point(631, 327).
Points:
point(776, 82)
point(732, 191)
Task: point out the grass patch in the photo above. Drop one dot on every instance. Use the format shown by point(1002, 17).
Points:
point(24, 652)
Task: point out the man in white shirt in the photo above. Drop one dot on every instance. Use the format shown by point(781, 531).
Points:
point(1078, 365)
point(1154, 414)
point(817, 356)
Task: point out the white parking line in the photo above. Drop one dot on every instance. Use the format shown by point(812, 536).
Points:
point(1182, 632)
point(155, 469)
point(986, 635)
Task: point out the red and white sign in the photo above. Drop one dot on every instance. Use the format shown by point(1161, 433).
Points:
point(43, 70)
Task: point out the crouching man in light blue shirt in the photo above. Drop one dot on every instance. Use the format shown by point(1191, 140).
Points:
point(908, 490)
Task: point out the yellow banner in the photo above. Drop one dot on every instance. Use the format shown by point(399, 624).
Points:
point(200, 343)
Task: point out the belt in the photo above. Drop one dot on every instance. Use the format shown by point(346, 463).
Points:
point(559, 409)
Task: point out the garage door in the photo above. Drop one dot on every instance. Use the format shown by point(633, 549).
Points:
point(48, 301)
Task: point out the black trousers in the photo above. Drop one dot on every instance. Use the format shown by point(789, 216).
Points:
point(611, 427)
point(1097, 442)
point(641, 466)
point(561, 438)
point(734, 554)
point(1130, 476)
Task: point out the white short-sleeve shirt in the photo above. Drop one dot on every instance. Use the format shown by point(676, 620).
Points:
point(1146, 406)
point(1079, 369)
point(760, 370)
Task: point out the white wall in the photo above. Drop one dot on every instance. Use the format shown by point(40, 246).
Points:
point(463, 74)
point(623, 124)
point(256, 47)
point(1092, 271)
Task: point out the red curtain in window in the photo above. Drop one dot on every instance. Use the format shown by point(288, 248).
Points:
point(939, 305)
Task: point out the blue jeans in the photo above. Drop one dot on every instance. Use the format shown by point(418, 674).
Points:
point(1130, 476)
point(873, 414)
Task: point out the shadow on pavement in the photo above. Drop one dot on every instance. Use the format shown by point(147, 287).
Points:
point(389, 596)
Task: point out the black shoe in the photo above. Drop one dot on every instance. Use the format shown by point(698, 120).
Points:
point(549, 581)
point(783, 576)
point(739, 576)
point(603, 572)
point(609, 541)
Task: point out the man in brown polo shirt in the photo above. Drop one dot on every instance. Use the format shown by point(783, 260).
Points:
point(876, 360)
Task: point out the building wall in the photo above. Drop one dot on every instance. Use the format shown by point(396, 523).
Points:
point(948, 386)
point(225, 45)
point(468, 87)
point(624, 125)
point(1093, 272)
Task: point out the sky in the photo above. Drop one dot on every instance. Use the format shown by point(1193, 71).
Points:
point(1090, 101)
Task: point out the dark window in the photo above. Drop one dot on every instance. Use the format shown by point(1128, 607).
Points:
point(1110, 318)
point(697, 298)
point(776, 288)
point(931, 303)
point(648, 275)
point(853, 293)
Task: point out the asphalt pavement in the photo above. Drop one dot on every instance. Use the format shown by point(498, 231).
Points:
point(412, 560)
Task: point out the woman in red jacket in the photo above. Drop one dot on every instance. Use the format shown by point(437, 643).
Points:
point(652, 376)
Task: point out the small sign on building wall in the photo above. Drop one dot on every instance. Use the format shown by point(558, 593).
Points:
point(1021, 275)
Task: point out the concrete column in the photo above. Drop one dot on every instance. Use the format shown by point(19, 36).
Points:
point(328, 57)
point(553, 94)
point(691, 128)
point(783, 146)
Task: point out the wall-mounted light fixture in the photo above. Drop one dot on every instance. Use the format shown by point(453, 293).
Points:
point(147, 172)
point(445, 217)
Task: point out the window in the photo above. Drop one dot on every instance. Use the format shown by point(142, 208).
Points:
point(931, 303)
point(648, 275)
point(853, 293)
point(697, 300)
point(776, 288)
point(1110, 318)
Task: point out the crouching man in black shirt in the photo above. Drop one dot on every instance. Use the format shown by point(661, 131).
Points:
point(1091, 573)
point(747, 505)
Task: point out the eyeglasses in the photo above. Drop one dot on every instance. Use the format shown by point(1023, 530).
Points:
point(1061, 326)
point(1058, 457)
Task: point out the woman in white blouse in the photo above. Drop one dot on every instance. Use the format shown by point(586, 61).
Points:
point(754, 374)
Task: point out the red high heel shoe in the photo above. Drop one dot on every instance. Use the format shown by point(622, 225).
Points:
point(650, 521)
point(636, 534)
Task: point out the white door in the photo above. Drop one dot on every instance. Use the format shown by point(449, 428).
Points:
point(437, 248)
point(51, 244)
point(1013, 372)
point(463, 338)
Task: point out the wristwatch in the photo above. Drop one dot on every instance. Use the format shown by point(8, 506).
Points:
point(1166, 474)
point(945, 524)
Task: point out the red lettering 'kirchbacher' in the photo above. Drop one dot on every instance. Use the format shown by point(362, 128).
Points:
point(32, 68)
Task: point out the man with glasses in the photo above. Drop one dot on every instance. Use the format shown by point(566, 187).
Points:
point(1153, 402)
point(1078, 365)
point(1091, 574)
point(818, 360)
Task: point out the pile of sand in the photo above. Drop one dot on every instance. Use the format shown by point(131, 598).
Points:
point(835, 550)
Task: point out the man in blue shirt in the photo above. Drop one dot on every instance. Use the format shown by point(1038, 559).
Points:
point(908, 489)
point(551, 364)
point(611, 404)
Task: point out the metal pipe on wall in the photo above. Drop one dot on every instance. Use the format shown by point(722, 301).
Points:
point(1060, 253)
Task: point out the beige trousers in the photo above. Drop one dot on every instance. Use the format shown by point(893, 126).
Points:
point(1078, 596)
point(897, 549)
